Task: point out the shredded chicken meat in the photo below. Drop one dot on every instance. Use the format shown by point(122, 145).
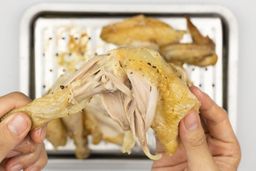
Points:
point(128, 91)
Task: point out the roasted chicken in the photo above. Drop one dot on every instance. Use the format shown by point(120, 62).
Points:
point(141, 31)
point(129, 90)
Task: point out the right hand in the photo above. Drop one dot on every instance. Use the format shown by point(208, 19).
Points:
point(214, 148)
point(20, 148)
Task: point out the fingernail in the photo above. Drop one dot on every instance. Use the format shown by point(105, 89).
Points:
point(16, 168)
point(18, 124)
point(191, 121)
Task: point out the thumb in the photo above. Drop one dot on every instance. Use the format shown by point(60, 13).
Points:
point(12, 131)
point(194, 141)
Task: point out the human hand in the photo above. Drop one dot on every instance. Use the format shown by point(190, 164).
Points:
point(20, 148)
point(208, 144)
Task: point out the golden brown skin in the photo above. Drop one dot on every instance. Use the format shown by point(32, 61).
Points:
point(194, 54)
point(197, 37)
point(201, 52)
point(140, 30)
point(175, 99)
point(56, 133)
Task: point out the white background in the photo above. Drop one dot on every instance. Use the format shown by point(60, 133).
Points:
point(245, 10)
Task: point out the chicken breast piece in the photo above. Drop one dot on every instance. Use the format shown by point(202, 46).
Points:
point(175, 99)
point(108, 127)
point(127, 91)
point(141, 31)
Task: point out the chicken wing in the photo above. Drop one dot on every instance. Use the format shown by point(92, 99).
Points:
point(195, 54)
point(201, 52)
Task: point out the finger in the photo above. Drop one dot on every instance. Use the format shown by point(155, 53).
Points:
point(193, 138)
point(179, 166)
point(12, 101)
point(12, 131)
point(12, 154)
point(39, 164)
point(25, 147)
point(177, 160)
point(217, 120)
point(24, 161)
point(38, 135)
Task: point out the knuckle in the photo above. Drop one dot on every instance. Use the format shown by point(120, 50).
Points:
point(19, 95)
point(32, 148)
point(27, 147)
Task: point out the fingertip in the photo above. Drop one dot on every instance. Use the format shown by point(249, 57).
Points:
point(201, 96)
point(38, 135)
point(196, 91)
point(189, 124)
point(19, 124)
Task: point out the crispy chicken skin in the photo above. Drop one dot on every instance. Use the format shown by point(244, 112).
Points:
point(174, 100)
point(194, 54)
point(141, 30)
point(136, 89)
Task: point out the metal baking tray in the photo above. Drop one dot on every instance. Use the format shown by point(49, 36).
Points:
point(41, 24)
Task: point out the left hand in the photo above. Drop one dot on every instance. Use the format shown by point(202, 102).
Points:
point(27, 151)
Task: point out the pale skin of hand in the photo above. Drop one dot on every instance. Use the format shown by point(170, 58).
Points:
point(211, 147)
point(20, 147)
